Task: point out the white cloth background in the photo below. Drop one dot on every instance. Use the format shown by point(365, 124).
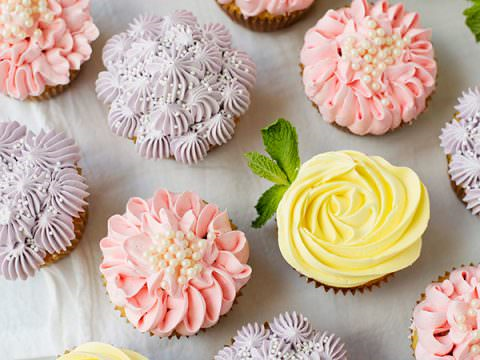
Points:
point(65, 304)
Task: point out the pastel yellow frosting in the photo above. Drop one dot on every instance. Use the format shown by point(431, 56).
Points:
point(99, 351)
point(349, 219)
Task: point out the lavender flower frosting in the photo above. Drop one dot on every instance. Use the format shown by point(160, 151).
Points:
point(288, 336)
point(176, 88)
point(460, 140)
point(41, 192)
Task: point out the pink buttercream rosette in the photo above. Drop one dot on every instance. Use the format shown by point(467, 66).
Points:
point(369, 68)
point(149, 281)
point(446, 323)
point(45, 54)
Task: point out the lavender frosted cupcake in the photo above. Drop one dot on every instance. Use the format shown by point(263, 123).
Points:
point(174, 87)
point(460, 141)
point(42, 199)
point(288, 336)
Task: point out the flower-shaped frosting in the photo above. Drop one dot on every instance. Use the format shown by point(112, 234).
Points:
point(41, 42)
point(293, 338)
point(446, 322)
point(273, 7)
point(349, 219)
point(173, 263)
point(41, 193)
point(175, 87)
point(460, 140)
point(369, 68)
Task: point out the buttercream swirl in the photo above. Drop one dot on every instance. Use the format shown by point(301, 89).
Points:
point(460, 140)
point(173, 263)
point(99, 351)
point(55, 44)
point(273, 7)
point(349, 219)
point(41, 193)
point(369, 68)
point(289, 336)
point(445, 322)
point(168, 78)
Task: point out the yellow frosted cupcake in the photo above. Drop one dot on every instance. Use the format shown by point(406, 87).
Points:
point(99, 351)
point(346, 221)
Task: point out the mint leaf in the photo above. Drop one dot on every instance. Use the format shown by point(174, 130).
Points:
point(473, 18)
point(281, 142)
point(266, 168)
point(268, 203)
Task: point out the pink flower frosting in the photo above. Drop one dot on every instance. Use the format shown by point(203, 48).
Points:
point(274, 7)
point(369, 68)
point(173, 263)
point(55, 42)
point(447, 322)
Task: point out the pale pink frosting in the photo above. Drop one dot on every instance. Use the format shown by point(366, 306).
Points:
point(28, 65)
point(152, 302)
point(447, 322)
point(340, 91)
point(274, 7)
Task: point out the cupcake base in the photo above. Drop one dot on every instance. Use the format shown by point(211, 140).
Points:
point(264, 22)
point(52, 91)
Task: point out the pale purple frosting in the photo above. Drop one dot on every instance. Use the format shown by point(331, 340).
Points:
point(41, 192)
point(175, 87)
point(460, 139)
point(288, 336)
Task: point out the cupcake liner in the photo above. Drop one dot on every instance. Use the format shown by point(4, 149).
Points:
point(361, 289)
point(413, 333)
point(52, 91)
point(264, 22)
point(122, 313)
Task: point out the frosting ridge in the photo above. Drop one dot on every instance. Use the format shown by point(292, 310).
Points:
point(99, 351)
point(349, 219)
point(273, 7)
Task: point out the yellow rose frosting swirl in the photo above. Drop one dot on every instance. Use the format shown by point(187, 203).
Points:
point(349, 219)
point(99, 351)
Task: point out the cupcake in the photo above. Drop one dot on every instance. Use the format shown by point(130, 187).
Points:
point(288, 336)
point(42, 199)
point(43, 45)
point(346, 221)
point(460, 141)
point(173, 264)
point(265, 15)
point(174, 87)
point(99, 351)
point(369, 68)
point(445, 320)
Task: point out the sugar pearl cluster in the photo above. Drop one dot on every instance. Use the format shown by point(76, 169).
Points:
point(19, 19)
point(470, 317)
point(372, 54)
point(178, 254)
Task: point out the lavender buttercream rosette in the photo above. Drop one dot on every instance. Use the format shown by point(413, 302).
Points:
point(41, 196)
point(460, 140)
point(288, 336)
point(175, 87)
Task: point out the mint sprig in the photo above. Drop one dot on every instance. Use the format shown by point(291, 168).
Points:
point(281, 143)
point(472, 15)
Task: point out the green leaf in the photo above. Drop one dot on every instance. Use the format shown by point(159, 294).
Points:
point(473, 18)
point(266, 168)
point(268, 203)
point(281, 142)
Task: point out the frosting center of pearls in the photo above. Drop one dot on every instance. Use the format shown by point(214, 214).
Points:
point(179, 255)
point(372, 54)
point(20, 19)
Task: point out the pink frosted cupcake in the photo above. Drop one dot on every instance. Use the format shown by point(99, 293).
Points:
point(369, 68)
point(265, 15)
point(446, 320)
point(43, 45)
point(173, 264)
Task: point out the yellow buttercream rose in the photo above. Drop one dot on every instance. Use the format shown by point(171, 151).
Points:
point(349, 219)
point(99, 351)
